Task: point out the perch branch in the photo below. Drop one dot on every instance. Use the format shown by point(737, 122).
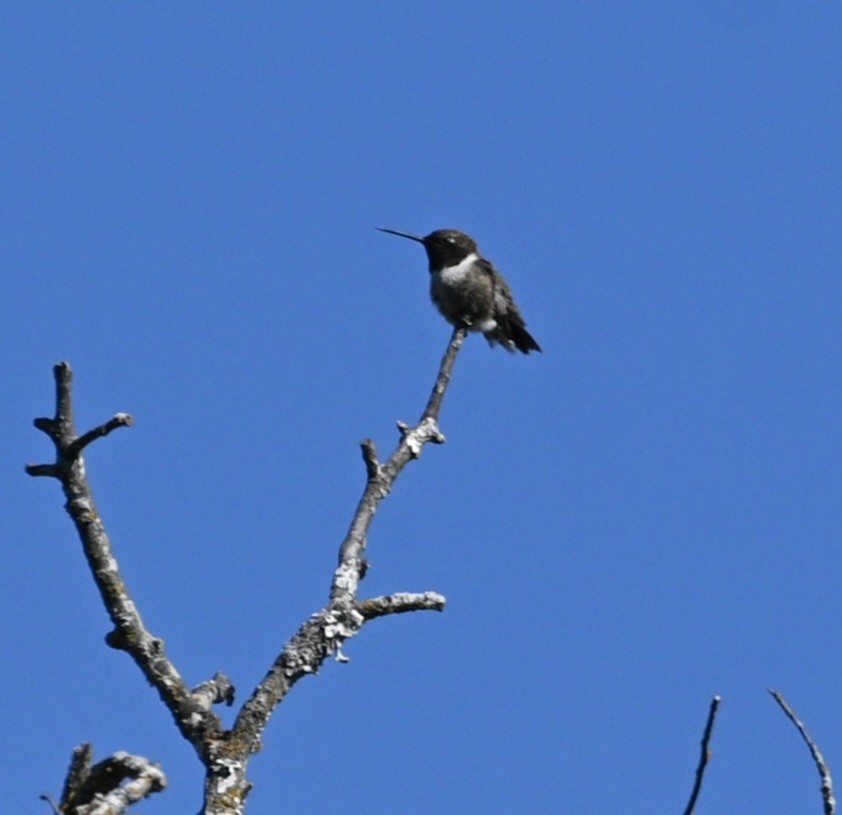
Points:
point(704, 760)
point(445, 373)
point(824, 771)
point(343, 617)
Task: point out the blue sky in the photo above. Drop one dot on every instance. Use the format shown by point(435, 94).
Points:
point(644, 516)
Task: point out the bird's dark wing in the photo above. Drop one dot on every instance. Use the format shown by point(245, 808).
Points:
point(512, 326)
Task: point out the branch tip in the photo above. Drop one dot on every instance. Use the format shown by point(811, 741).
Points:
point(117, 639)
point(214, 691)
point(45, 425)
point(77, 774)
point(49, 799)
point(436, 436)
point(401, 603)
point(372, 462)
point(62, 371)
point(116, 421)
point(42, 470)
point(706, 754)
point(818, 759)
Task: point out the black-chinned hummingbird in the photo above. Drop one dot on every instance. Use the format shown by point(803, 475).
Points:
point(469, 292)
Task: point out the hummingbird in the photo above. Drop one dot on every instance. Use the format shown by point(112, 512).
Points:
point(469, 291)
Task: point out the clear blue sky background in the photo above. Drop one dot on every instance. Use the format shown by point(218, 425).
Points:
point(644, 516)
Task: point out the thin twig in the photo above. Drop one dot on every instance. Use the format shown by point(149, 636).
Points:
point(53, 805)
point(824, 771)
point(118, 420)
point(706, 755)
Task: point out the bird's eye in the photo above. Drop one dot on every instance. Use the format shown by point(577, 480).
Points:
point(451, 239)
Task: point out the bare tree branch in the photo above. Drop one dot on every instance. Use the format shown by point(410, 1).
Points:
point(77, 775)
point(214, 691)
point(51, 802)
point(225, 753)
point(706, 755)
point(197, 724)
point(118, 420)
point(99, 789)
point(824, 771)
point(325, 632)
point(433, 408)
point(400, 603)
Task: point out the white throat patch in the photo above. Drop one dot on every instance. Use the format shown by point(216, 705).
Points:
point(454, 274)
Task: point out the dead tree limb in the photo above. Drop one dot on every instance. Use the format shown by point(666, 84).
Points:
point(824, 771)
point(705, 758)
point(99, 789)
point(197, 724)
point(343, 617)
point(226, 753)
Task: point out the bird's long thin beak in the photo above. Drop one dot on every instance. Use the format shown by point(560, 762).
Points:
point(401, 234)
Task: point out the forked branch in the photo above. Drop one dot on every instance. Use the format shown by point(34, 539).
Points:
point(109, 787)
point(225, 753)
point(343, 617)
